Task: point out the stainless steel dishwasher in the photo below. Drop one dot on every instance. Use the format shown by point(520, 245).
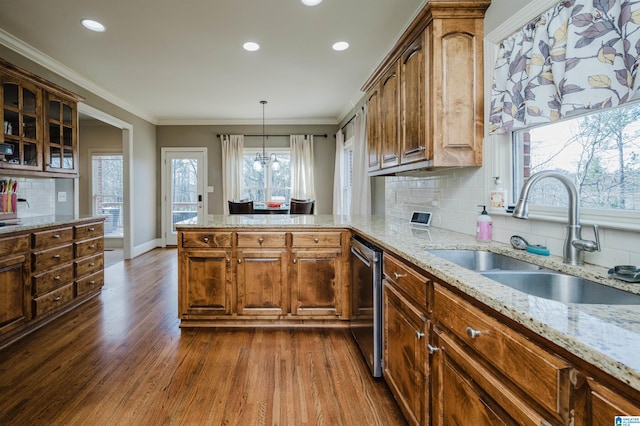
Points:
point(366, 301)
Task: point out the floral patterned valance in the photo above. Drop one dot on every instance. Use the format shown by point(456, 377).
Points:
point(580, 55)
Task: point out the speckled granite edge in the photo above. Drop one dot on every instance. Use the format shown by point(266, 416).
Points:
point(606, 336)
point(37, 222)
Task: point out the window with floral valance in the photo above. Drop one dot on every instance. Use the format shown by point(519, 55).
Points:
point(580, 55)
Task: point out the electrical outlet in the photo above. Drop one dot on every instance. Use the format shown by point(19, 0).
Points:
point(62, 197)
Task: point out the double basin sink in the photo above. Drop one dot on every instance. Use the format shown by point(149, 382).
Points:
point(534, 280)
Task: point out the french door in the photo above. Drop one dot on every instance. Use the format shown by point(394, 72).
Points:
point(184, 177)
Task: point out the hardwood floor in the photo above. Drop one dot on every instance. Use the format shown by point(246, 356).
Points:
point(122, 360)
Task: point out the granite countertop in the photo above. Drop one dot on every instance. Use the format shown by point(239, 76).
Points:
point(607, 336)
point(36, 222)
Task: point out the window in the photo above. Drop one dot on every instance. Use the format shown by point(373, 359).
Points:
point(600, 151)
point(107, 191)
point(267, 184)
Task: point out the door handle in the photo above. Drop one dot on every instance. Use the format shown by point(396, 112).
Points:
point(200, 198)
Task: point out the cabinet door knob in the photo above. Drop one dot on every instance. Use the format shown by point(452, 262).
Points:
point(432, 349)
point(473, 333)
point(260, 240)
point(239, 260)
point(397, 275)
point(228, 260)
point(316, 240)
point(205, 239)
point(295, 261)
point(419, 335)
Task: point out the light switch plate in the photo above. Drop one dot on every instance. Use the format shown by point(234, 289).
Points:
point(62, 197)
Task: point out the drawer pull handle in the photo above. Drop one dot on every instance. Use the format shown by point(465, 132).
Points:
point(57, 298)
point(205, 239)
point(56, 236)
point(397, 275)
point(56, 256)
point(316, 240)
point(92, 246)
point(261, 240)
point(228, 260)
point(92, 282)
point(92, 229)
point(239, 261)
point(419, 335)
point(92, 264)
point(295, 261)
point(57, 278)
point(432, 349)
point(473, 333)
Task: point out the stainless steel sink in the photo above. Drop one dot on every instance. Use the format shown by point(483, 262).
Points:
point(479, 260)
point(563, 288)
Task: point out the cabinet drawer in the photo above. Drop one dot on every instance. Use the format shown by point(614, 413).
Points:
point(17, 244)
point(52, 257)
point(52, 301)
point(206, 239)
point(547, 378)
point(89, 247)
point(90, 230)
point(262, 239)
point(90, 283)
point(407, 279)
point(53, 279)
point(316, 239)
point(51, 238)
point(89, 265)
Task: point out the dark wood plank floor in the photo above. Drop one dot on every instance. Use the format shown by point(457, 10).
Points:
point(122, 360)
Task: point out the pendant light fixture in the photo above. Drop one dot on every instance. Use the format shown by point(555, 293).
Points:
point(261, 160)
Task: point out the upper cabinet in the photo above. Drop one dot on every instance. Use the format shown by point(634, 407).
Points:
point(425, 105)
point(39, 123)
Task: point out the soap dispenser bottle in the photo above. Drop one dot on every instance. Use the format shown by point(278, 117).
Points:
point(484, 226)
point(498, 196)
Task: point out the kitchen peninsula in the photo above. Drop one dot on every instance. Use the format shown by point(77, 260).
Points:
point(590, 351)
point(49, 265)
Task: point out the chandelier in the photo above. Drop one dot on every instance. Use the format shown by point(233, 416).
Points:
point(261, 160)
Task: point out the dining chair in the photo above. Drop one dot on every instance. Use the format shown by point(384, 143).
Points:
point(240, 207)
point(301, 207)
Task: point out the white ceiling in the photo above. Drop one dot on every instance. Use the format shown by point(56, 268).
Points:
point(176, 61)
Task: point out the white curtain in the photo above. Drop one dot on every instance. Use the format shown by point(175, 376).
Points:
point(338, 175)
point(232, 147)
point(361, 186)
point(302, 182)
point(580, 55)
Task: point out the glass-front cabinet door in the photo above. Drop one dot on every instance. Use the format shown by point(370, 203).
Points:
point(22, 126)
point(60, 138)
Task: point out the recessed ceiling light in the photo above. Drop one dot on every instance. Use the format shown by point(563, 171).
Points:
point(311, 2)
point(341, 45)
point(92, 25)
point(251, 46)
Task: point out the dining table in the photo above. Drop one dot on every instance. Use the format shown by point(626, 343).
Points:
point(262, 208)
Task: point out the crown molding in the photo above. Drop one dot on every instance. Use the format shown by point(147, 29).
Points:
point(33, 54)
point(520, 19)
point(245, 122)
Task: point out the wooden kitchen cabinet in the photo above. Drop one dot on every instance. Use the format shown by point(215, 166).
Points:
point(88, 258)
point(61, 135)
point(600, 405)
point(436, 69)
point(15, 300)
point(483, 358)
point(316, 274)
point(262, 273)
point(406, 334)
point(373, 124)
point(205, 269)
point(39, 122)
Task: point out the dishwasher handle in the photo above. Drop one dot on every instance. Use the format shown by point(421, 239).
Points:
point(361, 256)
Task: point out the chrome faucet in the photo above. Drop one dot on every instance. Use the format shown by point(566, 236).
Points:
point(574, 245)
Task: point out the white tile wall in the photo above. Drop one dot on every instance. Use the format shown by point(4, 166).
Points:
point(458, 192)
point(40, 193)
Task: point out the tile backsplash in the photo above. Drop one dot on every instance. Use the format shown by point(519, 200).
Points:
point(40, 196)
point(453, 196)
